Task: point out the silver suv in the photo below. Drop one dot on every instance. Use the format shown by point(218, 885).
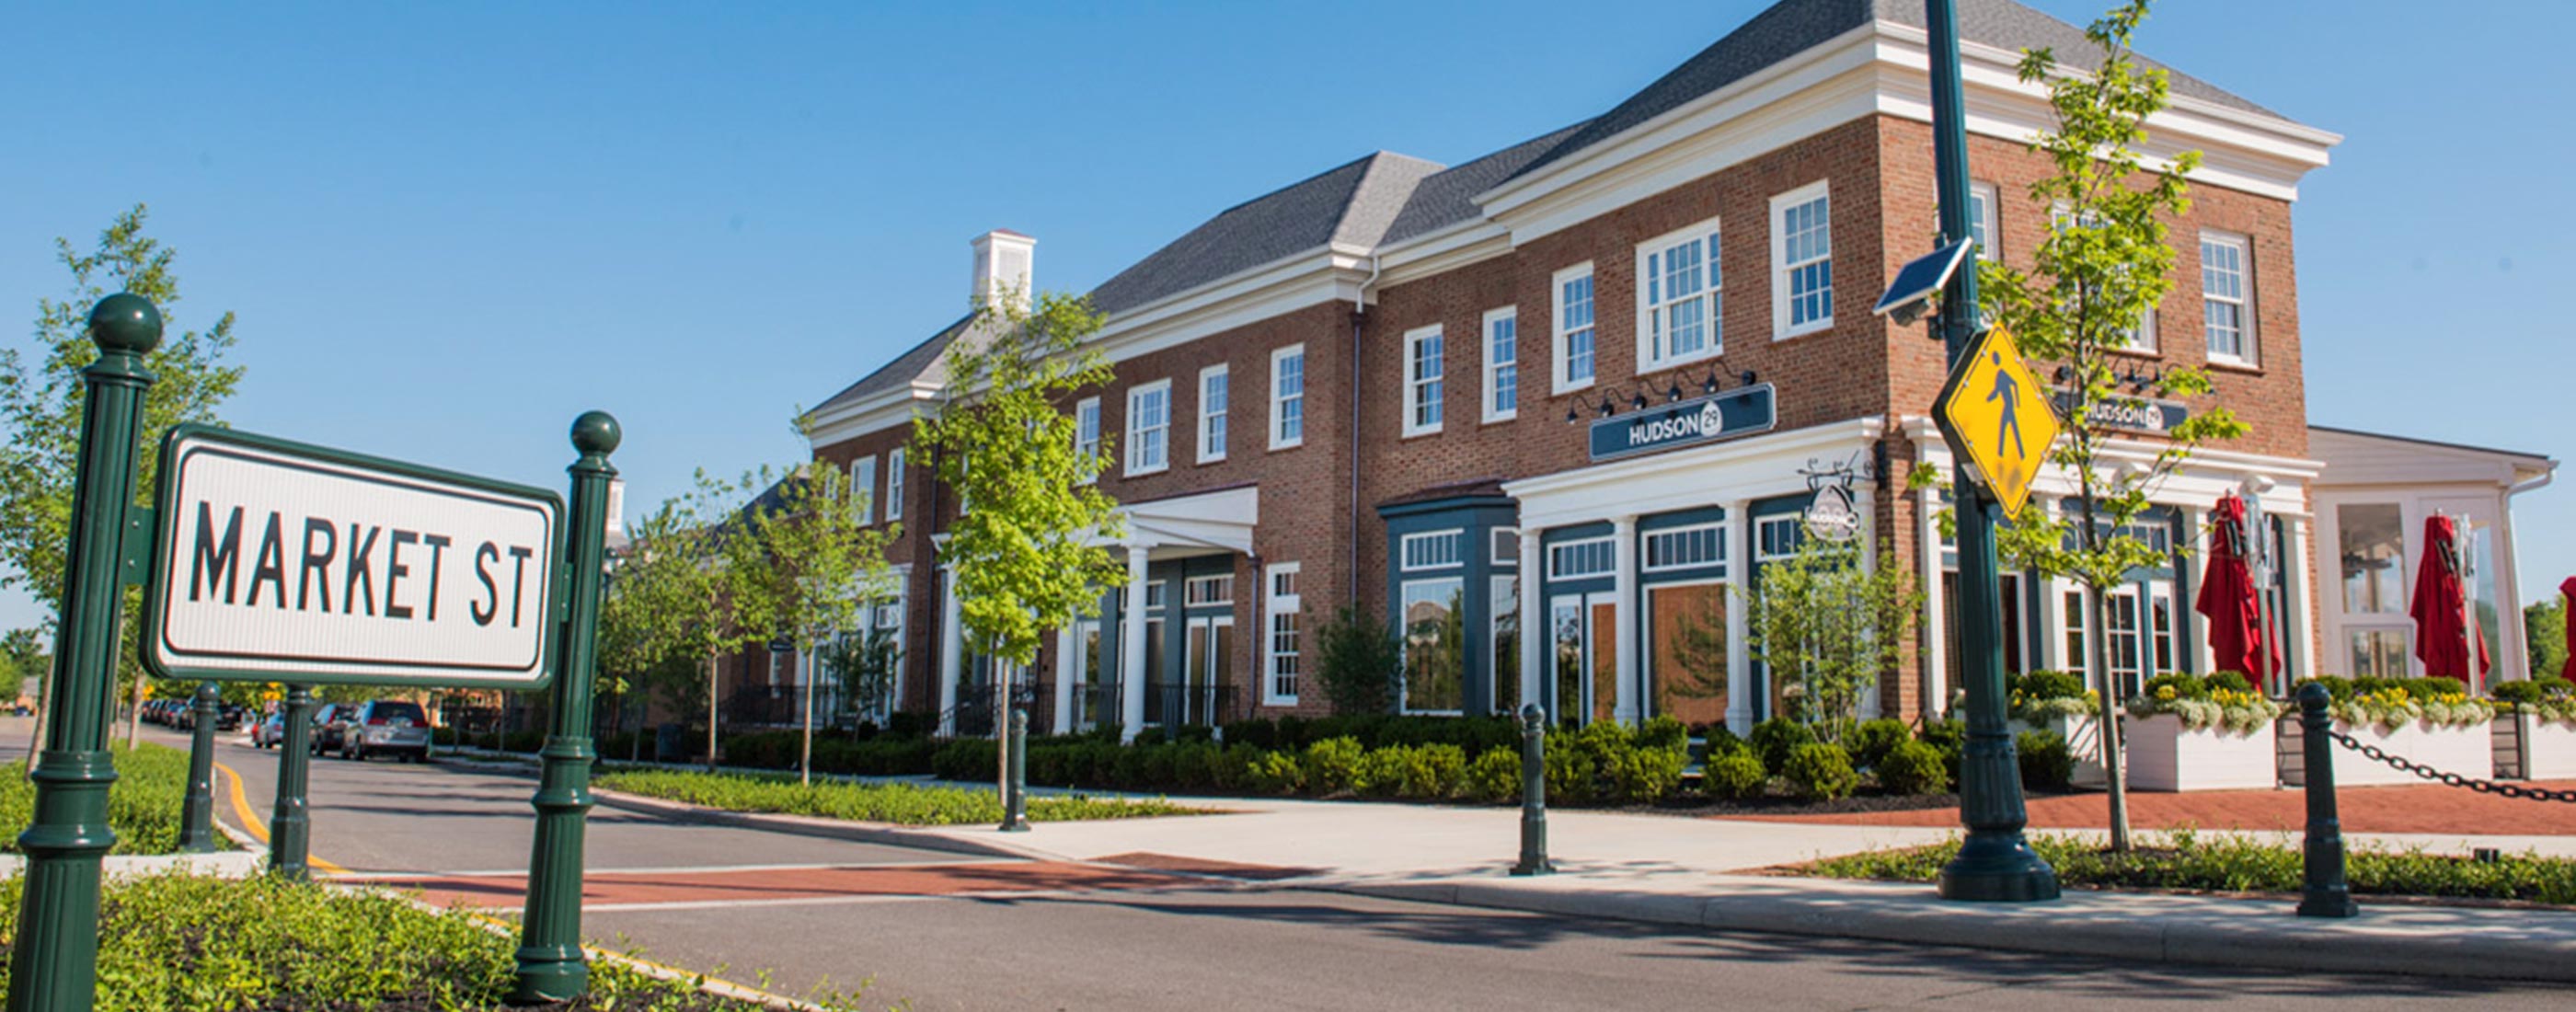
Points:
point(381, 727)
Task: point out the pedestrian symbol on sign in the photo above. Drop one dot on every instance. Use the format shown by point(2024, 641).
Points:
point(2009, 392)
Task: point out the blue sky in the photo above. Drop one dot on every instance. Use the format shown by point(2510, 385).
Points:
point(449, 228)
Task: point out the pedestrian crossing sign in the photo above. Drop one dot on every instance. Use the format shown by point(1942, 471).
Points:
point(1996, 414)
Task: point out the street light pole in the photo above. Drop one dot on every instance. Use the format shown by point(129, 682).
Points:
point(1995, 864)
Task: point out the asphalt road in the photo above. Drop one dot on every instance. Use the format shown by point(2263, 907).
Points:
point(935, 932)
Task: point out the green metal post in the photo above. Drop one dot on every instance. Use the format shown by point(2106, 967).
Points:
point(2325, 893)
point(1995, 863)
point(197, 809)
point(551, 966)
point(1015, 803)
point(1533, 793)
point(53, 967)
point(290, 827)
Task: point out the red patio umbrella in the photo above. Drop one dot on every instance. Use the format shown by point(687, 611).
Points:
point(2229, 599)
point(2442, 636)
point(2569, 590)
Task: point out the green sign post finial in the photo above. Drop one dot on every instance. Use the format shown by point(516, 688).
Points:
point(550, 966)
point(54, 965)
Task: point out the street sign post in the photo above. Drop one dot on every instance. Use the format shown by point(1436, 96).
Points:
point(1995, 414)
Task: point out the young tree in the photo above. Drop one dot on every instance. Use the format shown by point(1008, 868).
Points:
point(688, 587)
point(1025, 549)
point(1827, 627)
point(820, 564)
point(2103, 265)
point(1358, 658)
point(41, 403)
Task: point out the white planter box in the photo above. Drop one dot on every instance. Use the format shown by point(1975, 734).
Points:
point(2164, 757)
point(2549, 749)
point(2468, 751)
point(2083, 736)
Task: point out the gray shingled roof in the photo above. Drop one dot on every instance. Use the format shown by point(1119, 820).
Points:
point(1352, 203)
point(904, 369)
point(1793, 26)
point(1449, 196)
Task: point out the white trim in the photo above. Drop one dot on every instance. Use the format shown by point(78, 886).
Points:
point(1560, 382)
point(1653, 300)
point(866, 487)
point(1274, 605)
point(1086, 412)
point(1757, 468)
point(1568, 547)
point(1496, 535)
point(1404, 550)
point(1425, 389)
point(1492, 368)
point(1279, 440)
point(1135, 455)
point(894, 484)
point(2249, 351)
point(1781, 268)
point(1646, 557)
point(1985, 214)
point(1466, 664)
point(1215, 440)
point(1191, 584)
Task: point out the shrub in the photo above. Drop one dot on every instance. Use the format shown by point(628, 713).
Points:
point(142, 805)
point(2049, 685)
point(1333, 765)
point(1870, 742)
point(1573, 773)
point(1127, 767)
point(2518, 692)
point(1646, 775)
point(2184, 686)
point(1722, 741)
point(1774, 738)
point(1159, 768)
point(1381, 772)
point(1229, 770)
point(1737, 774)
point(905, 804)
point(2045, 761)
point(2434, 688)
point(1275, 773)
point(967, 759)
point(1263, 733)
point(1820, 771)
point(1495, 776)
point(1357, 659)
point(2230, 681)
point(1663, 732)
point(1912, 767)
point(1950, 738)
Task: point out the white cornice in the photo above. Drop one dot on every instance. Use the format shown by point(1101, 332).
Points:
point(1759, 467)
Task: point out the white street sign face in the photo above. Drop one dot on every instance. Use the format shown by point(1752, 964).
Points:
point(282, 562)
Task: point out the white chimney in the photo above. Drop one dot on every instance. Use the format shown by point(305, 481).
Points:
point(1002, 266)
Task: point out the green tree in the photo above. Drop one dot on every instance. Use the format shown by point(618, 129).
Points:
point(2544, 627)
point(1025, 550)
point(1358, 658)
point(820, 563)
point(41, 401)
point(689, 586)
point(2103, 265)
point(1827, 628)
point(22, 661)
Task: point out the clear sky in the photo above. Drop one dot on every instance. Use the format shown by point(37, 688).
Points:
point(448, 228)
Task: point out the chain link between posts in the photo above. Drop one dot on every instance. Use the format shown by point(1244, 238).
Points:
point(2376, 754)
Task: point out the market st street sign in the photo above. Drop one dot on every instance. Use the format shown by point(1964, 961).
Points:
point(1742, 411)
point(279, 561)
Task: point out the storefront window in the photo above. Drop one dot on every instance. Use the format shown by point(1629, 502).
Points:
point(1506, 610)
point(1687, 647)
point(2378, 653)
point(1565, 621)
point(2371, 542)
point(1435, 646)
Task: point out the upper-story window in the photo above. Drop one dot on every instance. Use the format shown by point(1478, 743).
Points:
point(1985, 220)
point(1288, 397)
point(1086, 426)
point(1433, 550)
point(1149, 427)
point(1213, 395)
point(1502, 364)
point(2225, 305)
point(1423, 354)
point(1802, 261)
point(1680, 301)
point(894, 484)
point(1573, 328)
point(863, 487)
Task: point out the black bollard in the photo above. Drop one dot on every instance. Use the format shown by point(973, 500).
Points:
point(289, 825)
point(1015, 802)
point(197, 809)
point(1533, 793)
point(2326, 893)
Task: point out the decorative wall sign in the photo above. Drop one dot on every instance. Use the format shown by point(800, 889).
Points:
point(1742, 411)
point(2130, 414)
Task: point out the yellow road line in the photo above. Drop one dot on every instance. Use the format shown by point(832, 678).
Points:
point(251, 822)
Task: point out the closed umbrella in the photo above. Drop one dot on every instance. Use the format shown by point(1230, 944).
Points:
point(2229, 599)
point(2569, 590)
point(2442, 634)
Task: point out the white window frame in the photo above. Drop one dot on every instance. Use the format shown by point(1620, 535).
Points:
point(1775, 522)
point(1781, 268)
point(1136, 463)
point(1457, 556)
point(1280, 437)
point(2247, 352)
point(1563, 549)
point(1086, 430)
point(1274, 607)
point(1654, 304)
point(1214, 424)
point(863, 483)
point(1425, 392)
point(1497, 385)
point(1716, 529)
point(1986, 219)
point(894, 484)
point(1457, 586)
point(1561, 378)
point(1190, 590)
point(1506, 545)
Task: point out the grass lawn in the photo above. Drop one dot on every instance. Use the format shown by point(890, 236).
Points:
point(142, 806)
point(178, 943)
point(903, 804)
point(2187, 860)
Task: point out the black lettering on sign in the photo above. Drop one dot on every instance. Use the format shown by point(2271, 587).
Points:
point(437, 546)
point(223, 557)
point(361, 558)
point(316, 562)
point(395, 571)
point(271, 568)
point(490, 606)
point(518, 580)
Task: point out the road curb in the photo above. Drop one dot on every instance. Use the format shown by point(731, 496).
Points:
point(857, 832)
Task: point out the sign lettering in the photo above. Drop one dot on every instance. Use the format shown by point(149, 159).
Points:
point(1738, 412)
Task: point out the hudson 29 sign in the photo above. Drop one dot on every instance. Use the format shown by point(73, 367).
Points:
point(279, 561)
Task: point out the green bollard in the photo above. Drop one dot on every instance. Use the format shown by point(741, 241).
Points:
point(2325, 894)
point(1533, 793)
point(290, 826)
point(53, 967)
point(550, 961)
point(1015, 803)
point(197, 810)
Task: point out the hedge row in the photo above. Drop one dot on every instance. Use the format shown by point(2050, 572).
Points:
point(142, 806)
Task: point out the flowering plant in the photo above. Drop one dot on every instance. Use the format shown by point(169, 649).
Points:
point(2548, 699)
point(2041, 696)
point(2395, 707)
point(2200, 707)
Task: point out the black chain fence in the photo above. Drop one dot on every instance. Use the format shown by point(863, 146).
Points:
point(2376, 754)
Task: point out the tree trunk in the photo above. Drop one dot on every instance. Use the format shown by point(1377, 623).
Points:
point(1002, 673)
point(2098, 607)
point(44, 708)
point(805, 755)
point(134, 717)
point(711, 711)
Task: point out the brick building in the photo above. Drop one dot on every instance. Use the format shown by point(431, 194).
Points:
point(1586, 382)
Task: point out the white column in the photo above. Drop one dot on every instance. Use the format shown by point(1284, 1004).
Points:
point(2301, 620)
point(1629, 707)
point(1131, 649)
point(1068, 644)
point(1936, 609)
point(1739, 656)
point(1865, 503)
point(952, 639)
point(1537, 632)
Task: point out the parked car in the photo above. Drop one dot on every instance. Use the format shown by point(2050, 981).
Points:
point(270, 732)
point(229, 716)
point(385, 726)
point(328, 723)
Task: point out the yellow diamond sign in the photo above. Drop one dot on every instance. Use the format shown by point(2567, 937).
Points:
point(1997, 415)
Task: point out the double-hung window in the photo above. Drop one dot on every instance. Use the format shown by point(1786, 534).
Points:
point(2226, 307)
point(1086, 430)
point(1802, 261)
point(1288, 397)
point(1502, 364)
point(1680, 304)
point(1422, 386)
point(1573, 316)
point(1149, 427)
point(1985, 220)
point(1213, 395)
point(1283, 610)
point(863, 488)
point(894, 484)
